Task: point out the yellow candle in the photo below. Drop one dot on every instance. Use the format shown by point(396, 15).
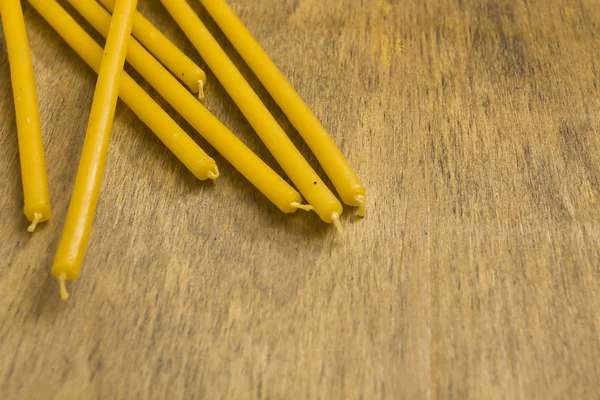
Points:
point(80, 216)
point(150, 113)
point(316, 193)
point(329, 155)
point(31, 149)
point(166, 52)
point(286, 198)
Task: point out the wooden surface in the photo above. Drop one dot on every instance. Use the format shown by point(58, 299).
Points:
point(474, 126)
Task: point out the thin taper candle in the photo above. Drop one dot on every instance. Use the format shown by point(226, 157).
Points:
point(31, 149)
point(276, 189)
point(310, 185)
point(312, 131)
point(80, 216)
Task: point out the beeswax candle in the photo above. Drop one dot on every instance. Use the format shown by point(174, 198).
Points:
point(80, 216)
point(31, 149)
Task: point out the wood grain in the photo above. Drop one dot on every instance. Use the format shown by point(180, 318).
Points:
point(474, 126)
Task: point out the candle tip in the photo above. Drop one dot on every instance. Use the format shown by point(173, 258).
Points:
point(200, 90)
point(37, 218)
point(62, 285)
point(362, 205)
point(305, 207)
point(336, 222)
point(213, 173)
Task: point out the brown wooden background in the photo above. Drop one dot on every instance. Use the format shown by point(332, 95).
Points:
point(474, 126)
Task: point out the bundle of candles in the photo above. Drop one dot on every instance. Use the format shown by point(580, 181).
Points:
point(129, 36)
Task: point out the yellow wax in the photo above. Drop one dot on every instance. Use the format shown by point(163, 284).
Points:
point(80, 216)
point(329, 155)
point(286, 198)
point(31, 149)
point(150, 113)
point(316, 193)
point(166, 52)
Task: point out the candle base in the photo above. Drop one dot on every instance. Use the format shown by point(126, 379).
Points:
point(37, 218)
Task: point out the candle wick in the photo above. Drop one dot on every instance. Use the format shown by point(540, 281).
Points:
point(305, 207)
point(336, 222)
point(63, 287)
point(200, 90)
point(362, 205)
point(37, 218)
point(213, 173)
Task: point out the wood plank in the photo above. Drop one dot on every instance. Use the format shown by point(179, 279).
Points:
point(474, 127)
